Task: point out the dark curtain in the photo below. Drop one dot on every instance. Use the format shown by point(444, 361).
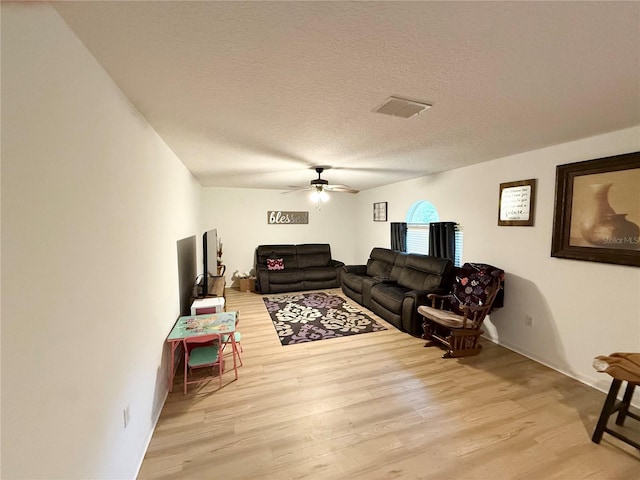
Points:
point(442, 240)
point(399, 236)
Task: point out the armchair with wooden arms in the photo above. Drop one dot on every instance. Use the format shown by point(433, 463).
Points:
point(455, 320)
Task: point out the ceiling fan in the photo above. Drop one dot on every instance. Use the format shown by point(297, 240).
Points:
point(320, 185)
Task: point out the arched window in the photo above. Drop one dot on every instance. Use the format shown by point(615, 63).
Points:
point(422, 212)
point(418, 217)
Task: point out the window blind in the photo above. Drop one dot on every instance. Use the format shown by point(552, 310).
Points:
point(457, 261)
point(418, 238)
point(418, 241)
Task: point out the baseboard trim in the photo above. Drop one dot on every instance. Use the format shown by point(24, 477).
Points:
point(585, 380)
point(153, 429)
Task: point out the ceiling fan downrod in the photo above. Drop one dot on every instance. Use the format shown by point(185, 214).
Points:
point(319, 182)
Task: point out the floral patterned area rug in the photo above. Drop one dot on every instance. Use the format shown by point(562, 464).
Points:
point(307, 317)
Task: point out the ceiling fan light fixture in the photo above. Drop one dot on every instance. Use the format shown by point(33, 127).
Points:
point(319, 195)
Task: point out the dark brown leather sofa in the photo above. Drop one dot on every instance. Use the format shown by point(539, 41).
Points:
point(306, 267)
point(394, 284)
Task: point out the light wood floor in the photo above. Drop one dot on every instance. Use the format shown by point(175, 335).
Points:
point(381, 406)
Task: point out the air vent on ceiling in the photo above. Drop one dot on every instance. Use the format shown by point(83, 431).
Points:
point(401, 107)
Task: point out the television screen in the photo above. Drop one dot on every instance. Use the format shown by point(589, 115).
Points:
point(210, 258)
point(187, 270)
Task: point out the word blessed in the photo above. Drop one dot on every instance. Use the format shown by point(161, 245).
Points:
point(277, 217)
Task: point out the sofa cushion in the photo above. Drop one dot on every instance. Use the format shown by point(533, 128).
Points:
point(380, 262)
point(376, 268)
point(423, 272)
point(288, 275)
point(286, 252)
point(398, 265)
point(313, 255)
point(390, 296)
point(353, 281)
point(315, 274)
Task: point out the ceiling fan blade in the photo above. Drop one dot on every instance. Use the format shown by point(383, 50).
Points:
point(296, 189)
point(340, 188)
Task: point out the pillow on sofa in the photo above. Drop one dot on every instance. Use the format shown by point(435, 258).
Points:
point(275, 264)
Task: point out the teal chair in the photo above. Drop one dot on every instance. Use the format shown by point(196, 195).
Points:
point(203, 356)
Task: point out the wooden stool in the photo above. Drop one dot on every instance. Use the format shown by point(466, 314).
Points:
point(623, 367)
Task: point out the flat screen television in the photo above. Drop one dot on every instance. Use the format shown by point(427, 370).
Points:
point(210, 259)
point(187, 272)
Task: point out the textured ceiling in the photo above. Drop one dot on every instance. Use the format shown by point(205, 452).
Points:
point(252, 94)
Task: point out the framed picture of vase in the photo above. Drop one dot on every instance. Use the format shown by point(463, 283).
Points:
point(597, 210)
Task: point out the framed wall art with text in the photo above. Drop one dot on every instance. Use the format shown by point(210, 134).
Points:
point(516, 203)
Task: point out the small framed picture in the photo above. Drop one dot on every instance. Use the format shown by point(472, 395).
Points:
point(380, 212)
point(516, 203)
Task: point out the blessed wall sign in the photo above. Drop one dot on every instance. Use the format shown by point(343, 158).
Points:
point(279, 217)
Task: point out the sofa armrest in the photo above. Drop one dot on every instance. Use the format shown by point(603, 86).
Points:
point(336, 263)
point(420, 297)
point(384, 280)
point(411, 319)
point(357, 269)
point(262, 278)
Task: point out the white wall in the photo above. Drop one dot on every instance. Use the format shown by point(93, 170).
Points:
point(240, 217)
point(580, 309)
point(93, 203)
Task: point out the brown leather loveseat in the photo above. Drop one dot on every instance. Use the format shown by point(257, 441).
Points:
point(290, 268)
point(394, 284)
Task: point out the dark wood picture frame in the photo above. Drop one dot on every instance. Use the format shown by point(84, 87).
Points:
point(593, 199)
point(516, 203)
point(380, 212)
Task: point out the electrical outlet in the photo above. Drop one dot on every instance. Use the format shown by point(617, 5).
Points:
point(528, 320)
point(127, 416)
